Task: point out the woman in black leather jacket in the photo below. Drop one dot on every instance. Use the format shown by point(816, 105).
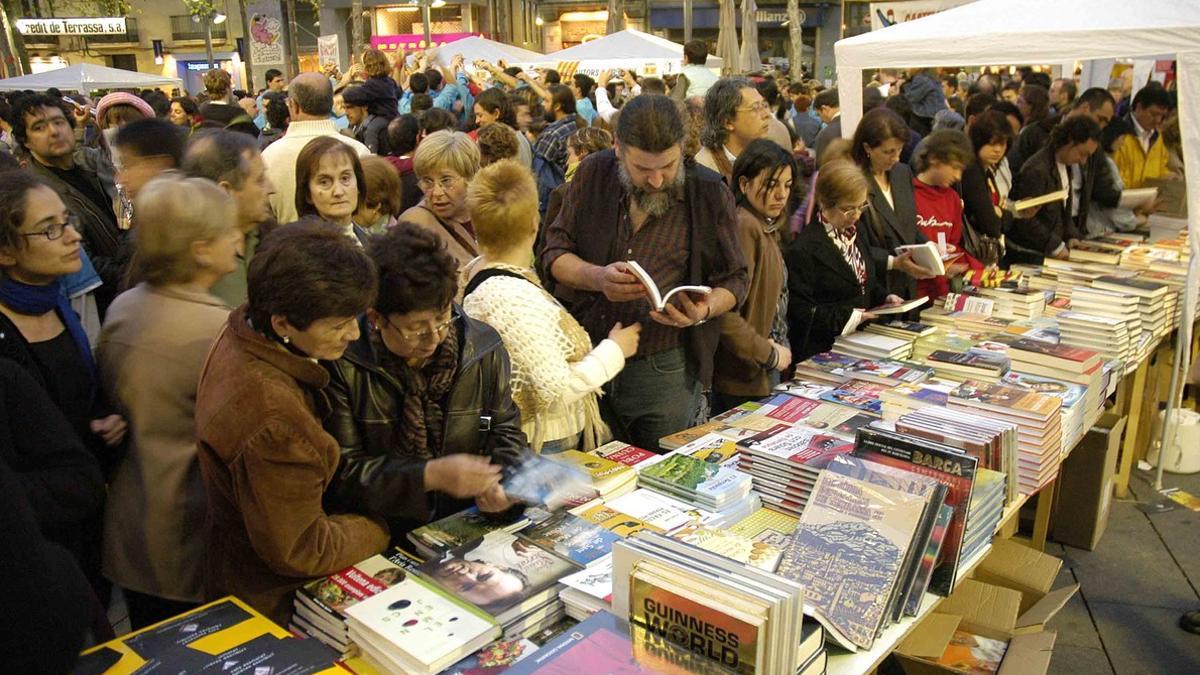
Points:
point(421, 402)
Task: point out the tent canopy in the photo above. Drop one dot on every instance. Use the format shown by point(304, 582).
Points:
point(624, 49)
point(87, 77)
point(475, 48)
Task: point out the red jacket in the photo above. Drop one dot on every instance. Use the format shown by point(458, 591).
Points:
point(940, 214)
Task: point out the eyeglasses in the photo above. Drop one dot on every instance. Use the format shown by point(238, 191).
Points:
point(445, 183)
point(761, 106)
point(439, 331)
point(55, 231)
point(853, 212)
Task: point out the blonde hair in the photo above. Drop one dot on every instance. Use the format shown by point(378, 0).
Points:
point(375, 62)
point(840, 181)
point(174, 212)
point(503, 200)
point(446, 150)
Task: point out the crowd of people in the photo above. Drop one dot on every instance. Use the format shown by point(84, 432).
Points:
point(249, 340)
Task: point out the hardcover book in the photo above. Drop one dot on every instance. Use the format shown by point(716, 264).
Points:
point(710, 483)
point(848, 552)
point(572, 537)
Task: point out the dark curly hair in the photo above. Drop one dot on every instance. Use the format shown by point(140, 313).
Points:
point(416, 273)
point(307, 271)
point(32, 106)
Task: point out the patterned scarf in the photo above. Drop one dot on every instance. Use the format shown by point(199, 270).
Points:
point(845, 241)
point(422, 392)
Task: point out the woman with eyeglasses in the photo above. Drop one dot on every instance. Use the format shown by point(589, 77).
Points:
point(422, 406)
point(265, 459)
point(890, 220)
point(445, 162)
point(831, 280)
point(330, 185)
point(155, 339)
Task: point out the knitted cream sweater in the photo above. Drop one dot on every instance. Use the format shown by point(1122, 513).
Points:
point(555, 383)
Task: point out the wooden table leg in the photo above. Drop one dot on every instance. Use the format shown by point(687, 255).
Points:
point(1041, 517)
point(1128, 447)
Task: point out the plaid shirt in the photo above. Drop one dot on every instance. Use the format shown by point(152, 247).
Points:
point(552, 142)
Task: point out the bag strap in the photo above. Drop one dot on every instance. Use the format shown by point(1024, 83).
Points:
point(484, 275)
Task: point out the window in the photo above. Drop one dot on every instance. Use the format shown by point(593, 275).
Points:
point(184, 27)
point(130, 35)
point(123, 61)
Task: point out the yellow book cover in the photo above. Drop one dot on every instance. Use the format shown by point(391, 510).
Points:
point(214, 636)
point(615, 521)
point(767, 525)
point(605, 473)
point(725, 636)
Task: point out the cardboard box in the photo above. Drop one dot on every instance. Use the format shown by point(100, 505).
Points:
point(1085, 485)
point(1014, 604)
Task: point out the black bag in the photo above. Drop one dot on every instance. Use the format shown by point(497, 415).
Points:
point(985, 249)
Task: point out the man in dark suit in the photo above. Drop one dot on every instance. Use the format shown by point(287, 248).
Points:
point(830, 111)
point(1047, 230)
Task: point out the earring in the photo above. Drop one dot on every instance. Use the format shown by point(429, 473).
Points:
point(287, 340)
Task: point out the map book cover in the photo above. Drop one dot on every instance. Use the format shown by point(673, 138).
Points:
point(950, 468)
point(498, 573)
point(572, 537)
point(690, 475)
point(848, 552)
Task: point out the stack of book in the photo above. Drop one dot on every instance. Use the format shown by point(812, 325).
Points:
point(858, 394)
point(697, 482)
point(918, 565)
point(785, 463)
point(416, 627)
point(508, 576)
point(1073, 396)
point(1061, 362)
point(1013, 303)
point(966, 322)
point(973, 364)
point(747, 619)
point(907, 398)
point(946, 339)
point(572, 537)
point(1108, 336)
point(991, 441)
point(1152, 300)
point(904, 330)
point(967, 303)
point(948, 466)
point(609, 478)
point(730, 544)
point(889, 372)
point(589, 590)
point(849, 552)
point(872, 346)
point(826, 367)
point(1039, 423)
point(624, 453)
point(985, 512)
point(435, 539)
point(1068, 275)
point(1096, 252)
point(320, 606)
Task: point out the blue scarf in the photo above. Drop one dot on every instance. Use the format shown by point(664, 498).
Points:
point(37, 300)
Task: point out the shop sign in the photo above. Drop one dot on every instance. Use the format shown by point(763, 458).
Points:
point(114, 25)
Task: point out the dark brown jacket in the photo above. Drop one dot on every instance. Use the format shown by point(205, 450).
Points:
point(745, 343)
point(266, 462)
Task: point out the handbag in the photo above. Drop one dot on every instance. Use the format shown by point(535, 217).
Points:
point(987, 250)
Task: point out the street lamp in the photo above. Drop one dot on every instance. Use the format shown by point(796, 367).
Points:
point(206, 11)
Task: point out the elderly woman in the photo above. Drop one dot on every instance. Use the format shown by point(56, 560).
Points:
point(421, 402)
point(890, 219)
point(556, 373)
point(754, 347)
point(445, 163)
point(330, 185)
point(831, 281)
point(264, 457)
point(155, 339)
point(381, 204)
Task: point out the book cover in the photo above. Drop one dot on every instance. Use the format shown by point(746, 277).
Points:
point(768, 526)
point(423, 622)
point(595, 581)
point(971, 654)
point(888, 371)
point(572, 537)
point(695, 476)
point(498, 572)
point(541, 481)
point(800, 445)
point(617, 522)
point(605, 473)
point(989, 361)
point(663, 512)
point(1006, 397)
point(623, 453)
point(950, 468)
point(712, 448)
point(858, 394)
point(731, 545)
point(929, 558)
point(343, 589)
point(495, 658)
point(1069, 393)
point(803, 389)
point(848, 551)
point(455, 530)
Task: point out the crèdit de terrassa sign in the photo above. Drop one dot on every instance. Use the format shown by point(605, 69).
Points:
point(114, 25)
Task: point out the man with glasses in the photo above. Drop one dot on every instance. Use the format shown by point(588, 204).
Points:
point(83, 177)
point(735, 115)
point(640, 202)
point(310, 102)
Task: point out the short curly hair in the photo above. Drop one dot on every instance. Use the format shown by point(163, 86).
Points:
point(416, 273)
point(497, 141)
point(308, 271)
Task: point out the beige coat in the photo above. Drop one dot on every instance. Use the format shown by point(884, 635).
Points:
point(460, 243)
point(150, 353)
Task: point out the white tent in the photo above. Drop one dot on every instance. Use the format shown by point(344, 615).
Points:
point(1001, 32)
point(647, 54)
point(88, 77)
point(475, 48)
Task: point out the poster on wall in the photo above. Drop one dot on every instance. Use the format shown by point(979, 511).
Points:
point(327, 50)
point(266, 34)
point(884, 14)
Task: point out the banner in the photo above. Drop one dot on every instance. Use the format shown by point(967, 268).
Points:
point(327, 50)
point(884, 14)
point(266, 34)
point(114, 25)
point(390, 43)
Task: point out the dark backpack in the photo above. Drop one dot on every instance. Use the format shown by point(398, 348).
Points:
point(548, 176)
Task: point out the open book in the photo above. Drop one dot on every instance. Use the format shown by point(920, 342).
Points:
point(900, 308)
point(1138, 198)
point(1030, 202)
point(927, 255)
point(657, 299)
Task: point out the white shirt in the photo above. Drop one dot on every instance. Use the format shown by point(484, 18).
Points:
point(699, 78)
point(1144, 137)
point(280, 160)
